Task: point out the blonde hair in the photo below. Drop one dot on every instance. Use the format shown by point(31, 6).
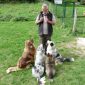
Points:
point(44, 5)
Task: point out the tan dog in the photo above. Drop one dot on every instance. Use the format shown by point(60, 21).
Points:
point(50, 66)
point(27, 58)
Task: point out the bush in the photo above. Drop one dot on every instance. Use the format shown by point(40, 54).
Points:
point(15, 18)
point(20, 18)
point(6, 18)
point(50, 0)
point(83, 2)
point(5, 1)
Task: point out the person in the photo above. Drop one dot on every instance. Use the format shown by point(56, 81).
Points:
point(45, 20)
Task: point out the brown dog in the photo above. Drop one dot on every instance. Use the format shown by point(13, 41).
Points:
point(50, 66)
point(27, 58)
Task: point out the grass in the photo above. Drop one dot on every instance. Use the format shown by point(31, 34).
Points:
point(13, 35)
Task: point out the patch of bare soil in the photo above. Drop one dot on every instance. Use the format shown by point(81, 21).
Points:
point(76, 47)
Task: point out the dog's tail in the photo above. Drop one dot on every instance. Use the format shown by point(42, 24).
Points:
point(66, 59)
point(12, 69)
point(60, 58)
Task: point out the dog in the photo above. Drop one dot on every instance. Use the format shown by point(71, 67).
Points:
point(27, 58)
point(51, 49)
point(50, 63)
point(40, 55)
point(50, 67)
point(38, 69)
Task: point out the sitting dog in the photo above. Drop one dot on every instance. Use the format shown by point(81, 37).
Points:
point(50, 63)
point(51, 49)
point(38, 69)
point(50, 66)
point(27, 58)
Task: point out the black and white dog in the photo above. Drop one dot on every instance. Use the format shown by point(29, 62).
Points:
point(38, 69)
point(51, 49)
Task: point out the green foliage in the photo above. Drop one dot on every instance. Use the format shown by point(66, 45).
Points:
point(20, 19)
point(4, 1)
point(82, 2)
point(70, 0)
point(50, 0)
point(5, 18)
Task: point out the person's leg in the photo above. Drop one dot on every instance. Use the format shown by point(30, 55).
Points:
point(43, 40)
point(48, 38)
point(40, 39)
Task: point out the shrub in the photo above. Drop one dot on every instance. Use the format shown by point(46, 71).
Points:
point(5, 1)
point(6, 18)
point(20, 18)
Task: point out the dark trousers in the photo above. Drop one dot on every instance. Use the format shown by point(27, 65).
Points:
point(43, 40)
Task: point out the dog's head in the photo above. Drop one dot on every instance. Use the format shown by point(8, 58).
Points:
point(51, 48)
point(40, 49)
point(29, 47)
point(29, 44)
point(50, 43)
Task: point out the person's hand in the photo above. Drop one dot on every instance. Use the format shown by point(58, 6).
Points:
point(41, 19)
point(48, 20)
point(45, 19)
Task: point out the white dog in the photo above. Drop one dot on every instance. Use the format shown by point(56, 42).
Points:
point(40, 55)
point(51, 49)
point(38, 69)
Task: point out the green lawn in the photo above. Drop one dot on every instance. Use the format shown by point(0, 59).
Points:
point(13, 35)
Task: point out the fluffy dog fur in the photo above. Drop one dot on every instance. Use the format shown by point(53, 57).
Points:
point(50, 62)
point(50, 66)
point(27, 57)
point(40, 55)
point(38, 69)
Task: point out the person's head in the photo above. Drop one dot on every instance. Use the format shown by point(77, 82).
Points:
point(45, 8)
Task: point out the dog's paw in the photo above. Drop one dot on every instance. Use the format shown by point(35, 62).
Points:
point(7, 71)
point(42, 81)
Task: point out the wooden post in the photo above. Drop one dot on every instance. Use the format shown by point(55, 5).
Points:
point(75, 20)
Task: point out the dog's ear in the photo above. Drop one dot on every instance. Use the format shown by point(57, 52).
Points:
point(48, 41)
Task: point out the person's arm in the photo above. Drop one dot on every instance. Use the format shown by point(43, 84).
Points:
point(38, 20)
point(53, 20)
